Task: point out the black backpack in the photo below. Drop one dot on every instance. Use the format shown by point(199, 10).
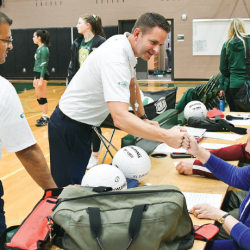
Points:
point(215, 125)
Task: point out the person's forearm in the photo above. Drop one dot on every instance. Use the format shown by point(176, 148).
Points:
point(137, 127)
point(34, 162)
point(202, 154)
point(231, 153)
point(229, 223)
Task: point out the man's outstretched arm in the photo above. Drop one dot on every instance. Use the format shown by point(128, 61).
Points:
point(135, 126)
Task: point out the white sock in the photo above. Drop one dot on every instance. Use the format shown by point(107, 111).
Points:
point(45, 115)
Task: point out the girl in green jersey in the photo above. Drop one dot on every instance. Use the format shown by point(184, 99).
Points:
point(41, 74)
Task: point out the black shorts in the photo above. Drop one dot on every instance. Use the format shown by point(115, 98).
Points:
point(37, 76)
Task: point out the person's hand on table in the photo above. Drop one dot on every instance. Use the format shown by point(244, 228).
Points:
point(175, 136)
point(185, 167)
point(206, 211)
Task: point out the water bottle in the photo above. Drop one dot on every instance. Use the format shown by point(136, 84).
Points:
point(222, 103)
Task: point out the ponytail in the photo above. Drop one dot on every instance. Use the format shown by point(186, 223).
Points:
point(96, 24)
point(45, 38)
point(99, 30)
point(237, 29)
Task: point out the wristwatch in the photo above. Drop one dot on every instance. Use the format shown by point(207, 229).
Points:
point(222, 219)
point(144, 117)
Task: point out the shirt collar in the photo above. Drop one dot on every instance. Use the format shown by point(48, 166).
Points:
point(128, 48)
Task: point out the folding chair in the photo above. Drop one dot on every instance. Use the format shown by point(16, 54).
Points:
point(104, 140)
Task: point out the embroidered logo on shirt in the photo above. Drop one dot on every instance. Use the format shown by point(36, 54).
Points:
point(122, 83)
point(22, 115)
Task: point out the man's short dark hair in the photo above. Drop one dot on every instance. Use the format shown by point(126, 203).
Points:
point(5, 19)
point(149, 20)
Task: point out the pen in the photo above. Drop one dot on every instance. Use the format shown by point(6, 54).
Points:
point(181, 153)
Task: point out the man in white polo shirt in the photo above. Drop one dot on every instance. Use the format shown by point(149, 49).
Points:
point(105, 84)
point(15, 133)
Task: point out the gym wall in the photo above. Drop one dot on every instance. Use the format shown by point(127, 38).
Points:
point(20, 60)
point(65, 13)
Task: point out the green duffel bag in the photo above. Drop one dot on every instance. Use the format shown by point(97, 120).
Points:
point(141, 218)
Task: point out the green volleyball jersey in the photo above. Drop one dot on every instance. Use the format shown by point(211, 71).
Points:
point(42, 60)
point(84, 50)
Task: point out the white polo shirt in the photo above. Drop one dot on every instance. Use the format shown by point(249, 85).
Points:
point(104, 76)
point(15, 133)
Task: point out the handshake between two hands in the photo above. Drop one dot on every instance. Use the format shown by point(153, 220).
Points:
point(190, 144)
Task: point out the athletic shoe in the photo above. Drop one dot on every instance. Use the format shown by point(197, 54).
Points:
point(92, 162)
point(43, 121)
point(39, 120)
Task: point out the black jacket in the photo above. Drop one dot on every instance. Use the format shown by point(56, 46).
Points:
point(74, 62)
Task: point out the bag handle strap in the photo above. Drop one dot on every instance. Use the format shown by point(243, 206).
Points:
point(102, 189)
point(247, 57)
point(134, 225)
point(230, 127)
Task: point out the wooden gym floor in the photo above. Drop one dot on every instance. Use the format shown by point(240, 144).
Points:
point(21, 192)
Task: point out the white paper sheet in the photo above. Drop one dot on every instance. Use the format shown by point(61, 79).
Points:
point(196, 132)
point(214, 145)
point(223, 136)
point(198, 198)
point(240, 122)
point(164, 148)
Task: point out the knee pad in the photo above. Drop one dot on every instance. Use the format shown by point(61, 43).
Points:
point(43, 101)
point(39, 101)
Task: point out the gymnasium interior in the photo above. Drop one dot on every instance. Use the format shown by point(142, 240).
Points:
point(189, 58)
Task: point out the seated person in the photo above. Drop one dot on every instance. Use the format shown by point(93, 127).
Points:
point(240, 152)
point(237, 228)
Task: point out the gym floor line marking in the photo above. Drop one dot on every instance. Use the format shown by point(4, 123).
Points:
point(39, 113)
point(33, 96)
point(8, 175)
point(25, 104)
point(16, 171)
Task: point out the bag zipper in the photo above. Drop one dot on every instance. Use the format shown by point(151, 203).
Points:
point(59, 201)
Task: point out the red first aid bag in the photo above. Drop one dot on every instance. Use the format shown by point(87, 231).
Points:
point(35, 229)
point(205, 232)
